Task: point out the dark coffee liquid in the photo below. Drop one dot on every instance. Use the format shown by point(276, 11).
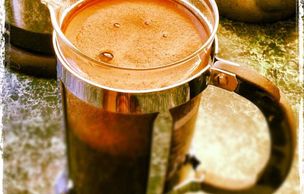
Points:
point(110, 152)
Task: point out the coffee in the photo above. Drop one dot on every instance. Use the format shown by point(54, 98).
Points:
point(112, 156)
point(109, 152)
point(136, 34)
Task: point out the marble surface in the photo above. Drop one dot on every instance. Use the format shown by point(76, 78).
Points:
point(228, 125)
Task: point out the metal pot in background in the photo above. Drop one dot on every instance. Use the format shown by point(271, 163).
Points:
point(30, 46)
point(257, 10)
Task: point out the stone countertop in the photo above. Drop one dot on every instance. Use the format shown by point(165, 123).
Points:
point(34, 150)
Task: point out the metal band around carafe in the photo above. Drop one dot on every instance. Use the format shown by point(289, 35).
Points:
point(146, 102)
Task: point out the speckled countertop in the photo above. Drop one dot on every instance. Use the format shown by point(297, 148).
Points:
point(33, 128)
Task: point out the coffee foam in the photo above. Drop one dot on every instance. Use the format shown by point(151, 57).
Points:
point(135, 34)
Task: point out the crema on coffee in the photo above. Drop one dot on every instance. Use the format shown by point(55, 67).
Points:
point(136, 34)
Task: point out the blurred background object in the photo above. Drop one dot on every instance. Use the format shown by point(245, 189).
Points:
point(257, 10)
point(29, 47)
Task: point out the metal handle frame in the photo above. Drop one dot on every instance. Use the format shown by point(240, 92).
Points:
point(282, 128)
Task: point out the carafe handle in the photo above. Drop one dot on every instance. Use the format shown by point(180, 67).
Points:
point(282, 128)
